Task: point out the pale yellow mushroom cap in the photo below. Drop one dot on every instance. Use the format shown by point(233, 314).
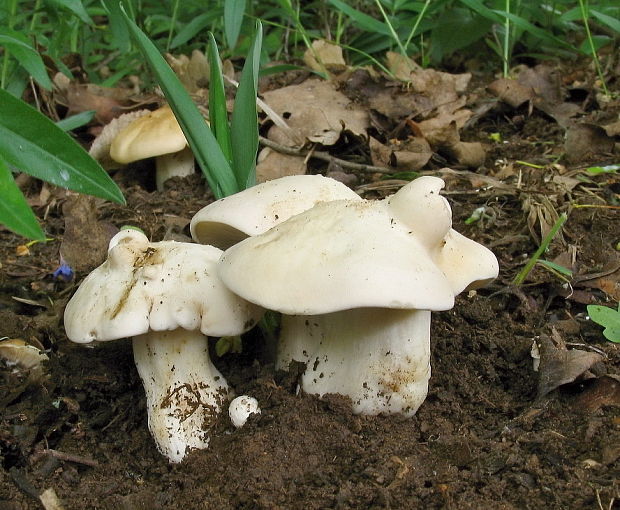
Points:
point(155, 134)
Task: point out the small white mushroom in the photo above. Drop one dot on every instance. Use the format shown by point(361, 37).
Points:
point(241, 408)
point(158, 135)
point(167, 296)
point(358, 280)
point(259, 208)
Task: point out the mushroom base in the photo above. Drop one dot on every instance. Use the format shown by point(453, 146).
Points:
point(184, 390)
point(380, 358)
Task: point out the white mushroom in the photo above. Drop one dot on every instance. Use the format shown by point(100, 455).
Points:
point(241, 408)
point(158, 135)
point(358, 280)
point(168, 297)
point(257, 209)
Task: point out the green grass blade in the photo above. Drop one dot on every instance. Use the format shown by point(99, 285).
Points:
point(76, 7)
point(76, 121)
point(15, 213)
point(120, 35)
point(211, 159)
point(233, 18)
point(26, 55)
point(544, 35)
point(244, 125)
point(192, 29)
point(218, 115)
point(33, 144)
point(359, 18)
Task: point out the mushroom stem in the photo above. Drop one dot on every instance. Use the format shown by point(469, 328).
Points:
point(176, 164)
point(380, 358)
point(184, 390)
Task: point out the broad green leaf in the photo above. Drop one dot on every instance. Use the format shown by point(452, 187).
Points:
point(15, 213)
point(610, 21)
point(598, 41)
point(33, 144)
point(458, 28)
point(244, 124)
point(233, 18)
point(362, 20)
point(280, 68)
point(26, 55)
point(76, 121)
point(218, 114)
point(526, 26)
point(483, 10)
point(214, 165)
point(76, 7)
point(120, 34)
point(609, 319)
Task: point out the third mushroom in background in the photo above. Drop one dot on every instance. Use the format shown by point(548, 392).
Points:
point(357, 280)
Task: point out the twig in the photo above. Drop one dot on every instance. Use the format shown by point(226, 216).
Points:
point(324, 156)
point(70, 457)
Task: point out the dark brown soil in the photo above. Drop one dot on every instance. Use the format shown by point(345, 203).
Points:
point(482, 439)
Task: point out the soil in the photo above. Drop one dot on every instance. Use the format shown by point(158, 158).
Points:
point(483, 438)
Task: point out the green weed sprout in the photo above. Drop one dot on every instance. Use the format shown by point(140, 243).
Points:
point(608, 318)
point(520, 278)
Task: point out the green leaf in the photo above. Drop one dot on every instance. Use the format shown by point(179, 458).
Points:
point(26, 55)
point(554, 267)
point(244, 124)
point(192, 28)
point(15, 213)
point(210, 157)
point(218, 114)
point(544, 35)
point(608, 318)
point(120, 34)
point(233, 18)
point(610, 21)
point(76, 121)
point(33, 144)
point(362, 20)
point(76, 7)
point(609, 169)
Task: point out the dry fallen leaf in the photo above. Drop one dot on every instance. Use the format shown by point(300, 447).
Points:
point(560, 366)
point(587, 141)
point(329, 54)
point(273, 165)
point(316, 112)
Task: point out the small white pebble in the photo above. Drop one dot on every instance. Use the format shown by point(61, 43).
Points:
point(241, 408)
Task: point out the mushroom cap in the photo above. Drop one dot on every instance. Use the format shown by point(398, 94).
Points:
point(151, 135)
point(399, 253)
point(160, 286)
point(336, 256)
point(257, 209)
point(466, 263)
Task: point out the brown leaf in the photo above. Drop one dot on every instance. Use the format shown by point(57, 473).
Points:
point(511, 92)
point(559, 366)
point(330, 55)
point(85, 240)
point(315, 111)
point(273, 165)
point(605, 391)
point(587, 141)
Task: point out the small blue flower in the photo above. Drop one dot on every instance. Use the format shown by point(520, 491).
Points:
point(64, 272)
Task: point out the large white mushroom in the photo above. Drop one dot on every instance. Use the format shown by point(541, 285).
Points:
point(257, 209)
point(168, 297)
point(358, 280)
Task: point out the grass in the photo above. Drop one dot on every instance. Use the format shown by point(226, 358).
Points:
point(112, 36)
